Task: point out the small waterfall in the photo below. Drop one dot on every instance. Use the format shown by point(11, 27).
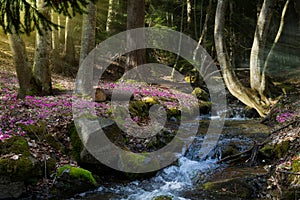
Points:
point(177, 180)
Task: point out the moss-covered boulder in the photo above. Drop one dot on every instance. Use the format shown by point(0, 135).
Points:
point(72, 180)
point(275, 150)
point(17, 167)
point(201, 94)
point(164, 197)
point(235, 188)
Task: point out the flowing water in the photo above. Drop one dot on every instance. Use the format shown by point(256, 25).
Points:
point(180, 181)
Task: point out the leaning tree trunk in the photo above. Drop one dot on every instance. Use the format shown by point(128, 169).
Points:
point(25, 77)
point(135, 19)
point(41, 67)
point(257, 57)
point(246, 95)
point(276, 40)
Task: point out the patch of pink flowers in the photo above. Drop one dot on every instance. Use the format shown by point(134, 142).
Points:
point(283, 117)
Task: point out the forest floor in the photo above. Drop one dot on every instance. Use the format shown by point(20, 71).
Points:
point(284, 118)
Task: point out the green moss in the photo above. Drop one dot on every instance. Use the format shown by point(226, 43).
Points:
point(267, 150)
point(78, 173)
point(162, 198)
point(229, 188)
point(200, 94)
point(296, 166)
point(137, 161)
point(150, 100)
point(35, 131)
point(138, 108)
point(17, 145)
point(76, 142)
point(21, 169)
point(54, 142)
point(278, 150)
point(282, 148)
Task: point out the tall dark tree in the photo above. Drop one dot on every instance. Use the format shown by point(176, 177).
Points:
point(41, 67)
point(135, 19)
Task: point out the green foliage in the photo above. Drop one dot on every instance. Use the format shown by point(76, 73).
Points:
point(296, 166)
point(78, 173)
point(23, 16)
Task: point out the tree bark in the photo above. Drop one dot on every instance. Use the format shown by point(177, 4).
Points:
point(69, 48)
point(41, 67)
point(279, 32)
point(135, 19)
point(55, 39)
point(85, 74)
point(111, 14)
point(257, 57)
point(246, 95)
point(25, 77)
point(202, 39)
point(88, 31)
point(188, 14)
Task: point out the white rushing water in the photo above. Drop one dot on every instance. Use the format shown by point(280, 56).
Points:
point(172, 181)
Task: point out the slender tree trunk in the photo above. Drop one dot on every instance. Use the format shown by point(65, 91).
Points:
point(69, 49)
point(27, 85)
point(257, 57)
point(111, 14)
point(246, 95)
point(279, 32)
point(88, 31)
point(60, 31)
point(41, 67)
point(135, 19)
point(55, 39)
point(188, 14)
point(202, 39)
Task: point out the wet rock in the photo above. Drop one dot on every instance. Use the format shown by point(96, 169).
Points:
point(17, 167)
point(10, 189)
point(72, 180)
point(162, 198)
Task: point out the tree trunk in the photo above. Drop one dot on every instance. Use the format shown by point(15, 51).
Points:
point(246, 95)
point(85, 74)
point(111, 14)
point(60, 31)
point(69, 48)
point(279, 32)
point(188, 14)
point(135, 19)
point(88, 31)
point(55, 39)
point(257, 57)
point(202, 39)
point(27, 84)
point(41, 67)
